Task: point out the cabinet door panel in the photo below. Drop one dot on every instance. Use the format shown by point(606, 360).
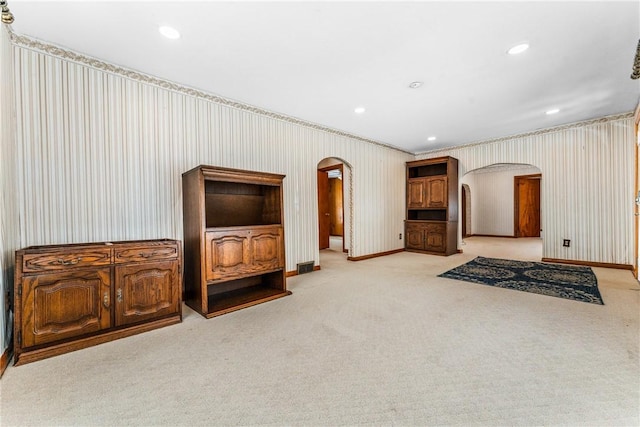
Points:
point(146, 291)
point(416, 193)
point(436, 237)
point(437, 192)
point(266, 249)
point(58, 306)
point(227, 254)
point(414, 234)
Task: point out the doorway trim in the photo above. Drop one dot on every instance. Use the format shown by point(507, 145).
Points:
point(341, 168)
point(466, 210)
point(348, 207)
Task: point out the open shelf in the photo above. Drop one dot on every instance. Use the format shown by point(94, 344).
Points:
point(427, 214)
point(428, 170)
point(226, 302)
point(232, 203)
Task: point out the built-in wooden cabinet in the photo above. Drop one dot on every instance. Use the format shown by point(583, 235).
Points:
point(69, 297)
point(432, 206)
point(234, 239)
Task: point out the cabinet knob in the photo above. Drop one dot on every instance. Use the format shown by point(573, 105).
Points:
point(105, 300)
point(119, 294)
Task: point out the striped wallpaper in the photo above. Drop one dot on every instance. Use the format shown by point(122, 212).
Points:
point(587, 184)
point(100, 156)
point(9, 222)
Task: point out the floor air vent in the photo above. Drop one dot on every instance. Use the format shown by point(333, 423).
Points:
point(305, 267)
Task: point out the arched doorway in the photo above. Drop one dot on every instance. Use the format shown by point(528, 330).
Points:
point(334, 204)
point(501, 206)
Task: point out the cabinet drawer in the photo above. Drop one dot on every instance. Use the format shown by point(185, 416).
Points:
point(145, 253)
point(62, 260)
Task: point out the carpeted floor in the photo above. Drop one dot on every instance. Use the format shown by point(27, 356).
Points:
point(377, 342)
point(572, 282)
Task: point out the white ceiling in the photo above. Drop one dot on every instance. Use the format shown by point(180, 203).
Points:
point(317, 61)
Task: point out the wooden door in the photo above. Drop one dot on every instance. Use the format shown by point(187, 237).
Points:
point(145, 291)
point(527, 206)
point(336, 220)
point(324, 216)
point(64, 305)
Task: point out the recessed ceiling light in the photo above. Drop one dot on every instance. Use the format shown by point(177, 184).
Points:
point(431, 138)
point(553, 111)
point(415, 85)
point(519, 48)
point(359, 110)
point(168, 32)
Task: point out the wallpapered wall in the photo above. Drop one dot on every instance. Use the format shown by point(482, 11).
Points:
point(8, 207)
point(99, 152)
point(587, 184)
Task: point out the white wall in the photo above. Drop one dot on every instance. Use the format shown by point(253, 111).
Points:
point(101, 151)
point(492, 198)
point(587, 186)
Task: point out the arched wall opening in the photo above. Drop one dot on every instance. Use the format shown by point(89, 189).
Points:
point(335, 204)
point(502, 200)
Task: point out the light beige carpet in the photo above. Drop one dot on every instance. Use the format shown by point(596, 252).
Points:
point(376, 342)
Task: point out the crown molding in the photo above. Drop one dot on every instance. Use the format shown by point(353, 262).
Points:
point(534, 133)
point(69, 55)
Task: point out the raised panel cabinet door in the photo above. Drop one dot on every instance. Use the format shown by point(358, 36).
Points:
point(416, 193)
point(146, 291)
point(227, 254)
point(437, 192)
point(415, 236)
point(436, 237)
point(266, 249)
point(64, 305)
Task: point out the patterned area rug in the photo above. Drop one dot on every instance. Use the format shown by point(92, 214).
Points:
point(563, 281)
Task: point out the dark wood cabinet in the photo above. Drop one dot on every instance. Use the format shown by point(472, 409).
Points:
point(432, 206)
point(234, 239)
point(69, 297)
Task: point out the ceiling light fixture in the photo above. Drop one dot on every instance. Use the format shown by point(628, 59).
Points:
point(431, 138)
point(519, 48)
point(415, 85)
point(359, 110)
point(168, 32)
point(552, 111)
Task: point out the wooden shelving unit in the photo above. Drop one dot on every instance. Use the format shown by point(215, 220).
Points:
point(234, 239)
point(432, 206)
